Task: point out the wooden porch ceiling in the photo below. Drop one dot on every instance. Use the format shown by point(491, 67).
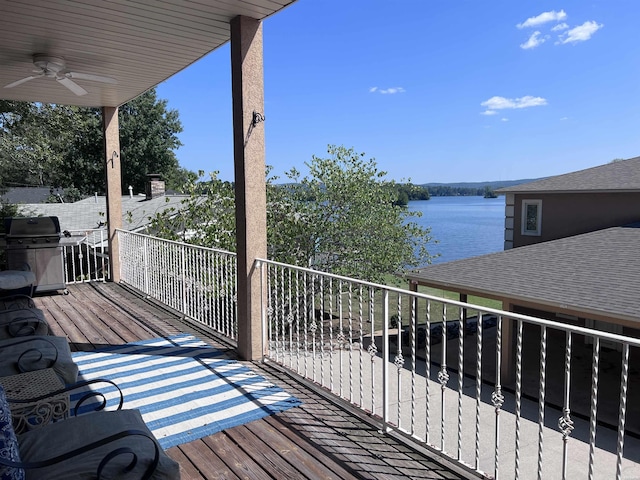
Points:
point(317, 440)
point(139, 43)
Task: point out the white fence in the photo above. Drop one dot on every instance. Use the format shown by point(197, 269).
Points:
point(84, 256)
point(198, 282)
point(505, 395)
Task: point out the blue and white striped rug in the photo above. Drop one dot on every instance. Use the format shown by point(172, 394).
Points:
point(184, 388)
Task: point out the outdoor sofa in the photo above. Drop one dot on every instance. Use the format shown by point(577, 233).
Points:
point(102, 444)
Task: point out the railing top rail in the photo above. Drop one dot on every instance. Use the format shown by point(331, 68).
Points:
point(174, 242)
point(500, 313)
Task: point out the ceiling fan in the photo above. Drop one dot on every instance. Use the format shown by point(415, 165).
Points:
point(55, 67)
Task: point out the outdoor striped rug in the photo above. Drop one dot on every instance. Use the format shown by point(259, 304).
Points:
point(184, 388)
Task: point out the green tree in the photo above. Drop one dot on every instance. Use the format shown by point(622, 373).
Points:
point(342, 218)
point(63, 146)
point(354, 226)
point(148, 140)
point(206, 217)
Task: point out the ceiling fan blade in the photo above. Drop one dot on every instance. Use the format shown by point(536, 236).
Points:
point(89, 76)
point(24, 80)
point(71, 85)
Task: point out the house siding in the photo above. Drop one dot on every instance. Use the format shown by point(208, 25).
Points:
point(568, 214)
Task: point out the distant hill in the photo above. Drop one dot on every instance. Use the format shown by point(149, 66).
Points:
point(469, 188)
point(475, 185)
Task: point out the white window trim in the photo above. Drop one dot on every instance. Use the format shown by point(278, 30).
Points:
point(538, 231)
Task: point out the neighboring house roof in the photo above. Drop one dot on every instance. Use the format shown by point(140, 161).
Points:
point(90, 213)
point(618, 176)
point(29, 194)
point(597, 273)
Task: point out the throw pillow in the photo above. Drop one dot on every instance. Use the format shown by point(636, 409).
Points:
point(8, 442)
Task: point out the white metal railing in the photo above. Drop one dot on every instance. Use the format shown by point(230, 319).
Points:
point(196, 281)
point(84, 256)
point(504, 395)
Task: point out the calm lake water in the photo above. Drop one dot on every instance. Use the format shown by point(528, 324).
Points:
point(464, 226)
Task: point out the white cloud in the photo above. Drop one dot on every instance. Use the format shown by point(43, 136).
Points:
point(392, 90)
point(504, 119)
point(559, 27)
point(387, 91)
point(502, 103)
point(534, 40)
point(581, 33)
point(545, 17)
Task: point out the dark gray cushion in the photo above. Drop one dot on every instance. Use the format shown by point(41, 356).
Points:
point(16, 279)
point(22, 322)
point(24, 354)
point(61, 437)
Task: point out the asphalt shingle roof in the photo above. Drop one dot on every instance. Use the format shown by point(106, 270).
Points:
point(90, 213)
point(597, 273)
point(619, 176)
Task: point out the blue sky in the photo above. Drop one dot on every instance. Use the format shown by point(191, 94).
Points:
point(434, 90)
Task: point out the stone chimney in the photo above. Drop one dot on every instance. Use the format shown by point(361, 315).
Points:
point(154, 186)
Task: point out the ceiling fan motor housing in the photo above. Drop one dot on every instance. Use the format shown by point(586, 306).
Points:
point(51, 66)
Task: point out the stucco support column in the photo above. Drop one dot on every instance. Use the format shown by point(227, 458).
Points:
point(250, 189)
point(114, 188)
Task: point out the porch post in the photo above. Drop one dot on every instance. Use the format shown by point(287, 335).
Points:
point(114, 188)
point(250, 190)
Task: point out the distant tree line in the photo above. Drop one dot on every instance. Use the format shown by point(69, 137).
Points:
point(449, 191)
point(409, 191)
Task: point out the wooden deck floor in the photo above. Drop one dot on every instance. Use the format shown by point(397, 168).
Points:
point(318, 440)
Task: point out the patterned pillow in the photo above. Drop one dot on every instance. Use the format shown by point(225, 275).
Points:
point(8, 442)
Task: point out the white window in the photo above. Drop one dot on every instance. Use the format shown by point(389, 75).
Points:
point(531, 217)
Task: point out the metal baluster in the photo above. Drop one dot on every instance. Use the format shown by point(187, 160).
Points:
point(290, 316)
point(350, 310)
point(340, 338)
point(624, 384)
point(331, 334)
point(519, 342)
point(213, 284)
point(276, 310)
point(565, 424)
point(297, 320)
point(385, 358)
point(443, 378)
point(478, 386)
point(398, 361)
point(460, 376)
point(183, 276)
point(305, 306)
point(322, 304)
point(413, 344)
point(372, 349)
point(361, 343)
point(270, 329)
point(593, 414)
point(543, 375)
point(427, 356)
point(102, 257)
point(314, 325)
point(497, 398)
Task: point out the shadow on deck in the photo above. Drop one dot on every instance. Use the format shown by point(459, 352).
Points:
point(319, 439)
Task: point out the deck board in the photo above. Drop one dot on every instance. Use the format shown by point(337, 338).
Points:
point(317, 440)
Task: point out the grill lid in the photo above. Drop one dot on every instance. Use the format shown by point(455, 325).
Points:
point(32, 227)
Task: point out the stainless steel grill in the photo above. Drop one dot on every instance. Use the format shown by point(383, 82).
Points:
point(35, 241)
